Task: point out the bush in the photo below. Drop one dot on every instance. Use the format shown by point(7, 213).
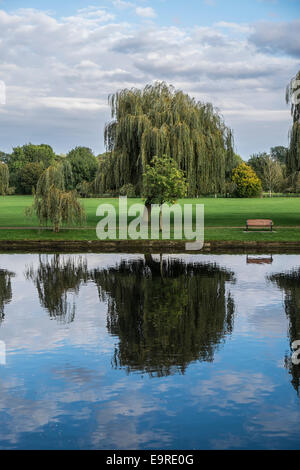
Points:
point(128, 190)
point(247, 183)
point(85, 189)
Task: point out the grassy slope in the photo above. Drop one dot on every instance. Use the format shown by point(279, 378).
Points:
point(227, 213)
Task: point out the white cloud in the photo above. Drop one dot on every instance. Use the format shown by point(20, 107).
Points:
point(59, 72)
point(146, 12)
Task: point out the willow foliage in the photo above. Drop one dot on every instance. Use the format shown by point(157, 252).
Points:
point(5, 290)
point(54, 278)
point(160, 120)
point(293, 97)
point(4, 179)
point(166, 314)
point(52, 204)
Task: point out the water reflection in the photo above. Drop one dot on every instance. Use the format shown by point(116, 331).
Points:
point(54, 278)
point(65, 386)
point(5, 290)
point(165, 313)
point(289, 282)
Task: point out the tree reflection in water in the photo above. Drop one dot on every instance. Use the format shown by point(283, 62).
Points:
point(165, 313)
point(289, 282)
point(5, 290)
point(55, 277)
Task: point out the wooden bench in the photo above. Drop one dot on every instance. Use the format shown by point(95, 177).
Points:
point(259, 260)
point(259, 223)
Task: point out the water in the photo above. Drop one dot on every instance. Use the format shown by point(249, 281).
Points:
point(103, 351)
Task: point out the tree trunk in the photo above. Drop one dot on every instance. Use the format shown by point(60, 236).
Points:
point(160, 220)
point(147, 212)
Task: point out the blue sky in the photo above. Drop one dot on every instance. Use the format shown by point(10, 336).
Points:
point(189, 12)
point(60, 60)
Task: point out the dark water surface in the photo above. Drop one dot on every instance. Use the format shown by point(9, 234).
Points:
point(111, 351)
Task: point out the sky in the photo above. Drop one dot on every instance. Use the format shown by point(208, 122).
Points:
point(60, 61)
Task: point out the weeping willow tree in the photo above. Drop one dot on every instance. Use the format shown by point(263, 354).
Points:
point(289, 282)
point(5, 290)
point(293, 97)
point(166, 313)
point(4, 179)
point(55, 277)
point(52, 204)
point(160, 120)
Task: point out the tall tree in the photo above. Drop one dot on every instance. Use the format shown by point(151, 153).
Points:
point(293, 97)
point(160, 120)
point(29, 153)
point(279, 154)
point(83, 163)
point(29, 176)
point(4, 179)
point(272, 175)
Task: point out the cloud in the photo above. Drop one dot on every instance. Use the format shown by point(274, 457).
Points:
point(277, 37)
point(146, 12)
point(59, 71)
point(122, 5)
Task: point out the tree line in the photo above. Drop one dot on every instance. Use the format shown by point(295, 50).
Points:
point(161, 144)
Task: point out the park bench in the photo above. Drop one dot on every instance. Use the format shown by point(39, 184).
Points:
point(259, 223)
point(252, 260)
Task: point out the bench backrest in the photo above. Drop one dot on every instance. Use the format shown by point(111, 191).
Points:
point(259, 222)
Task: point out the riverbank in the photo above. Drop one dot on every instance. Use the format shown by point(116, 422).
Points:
point(224, 226)
point(144, 246)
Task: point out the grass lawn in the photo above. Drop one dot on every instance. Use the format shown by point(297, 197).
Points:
point(224, 219)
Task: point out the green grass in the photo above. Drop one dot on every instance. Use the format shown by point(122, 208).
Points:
point(229, 214)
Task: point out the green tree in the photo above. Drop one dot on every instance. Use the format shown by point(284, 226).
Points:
point(4, 179)
point(105, 176)
point(29, 176)
point(163, 182)
point(160, 120)
point(293, 97)
point(257, 162)
point(279, 154)
point(28, 153)
point(272, 176)
point(83, 163)
point(52, 204)
point(247, 183)
point(4, 157)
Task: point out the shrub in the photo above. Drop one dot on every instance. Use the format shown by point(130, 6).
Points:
point(247, 183)
point(128, 190)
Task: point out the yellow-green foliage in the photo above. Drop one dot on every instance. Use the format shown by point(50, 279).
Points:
point(247, 183)
point(52, 204)
point(4, 179)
